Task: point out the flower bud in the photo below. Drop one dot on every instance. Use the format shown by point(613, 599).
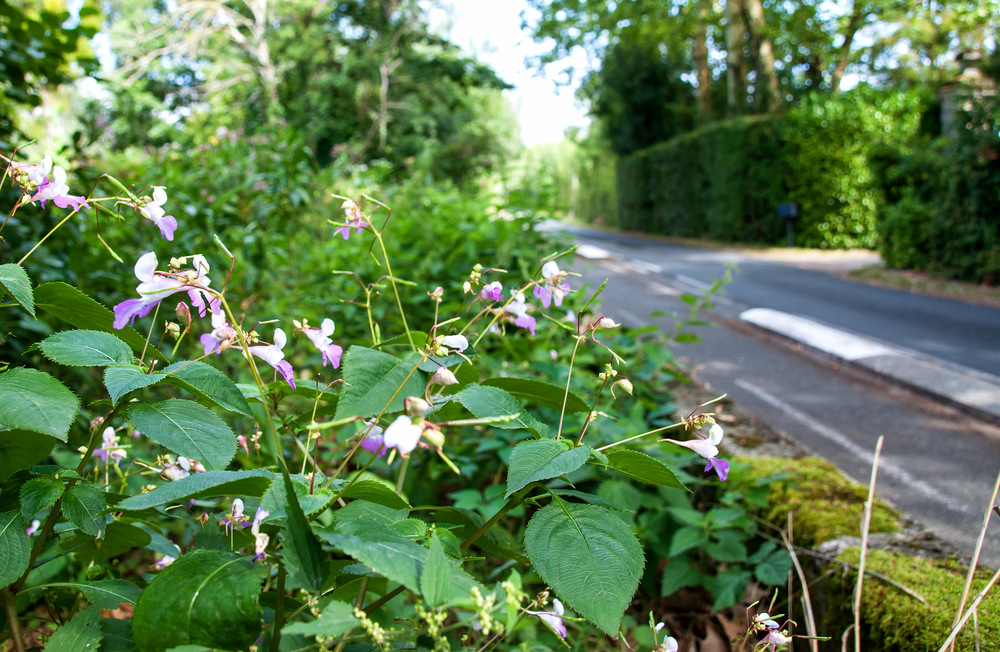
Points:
point(184, 314)
point(173, 330)
point(416, 406)
point(437, 293)
point(606, 322)
point(433, 436)
point(625, 384)
point(443, 376)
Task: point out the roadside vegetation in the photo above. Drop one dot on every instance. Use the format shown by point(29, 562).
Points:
point(287, 362)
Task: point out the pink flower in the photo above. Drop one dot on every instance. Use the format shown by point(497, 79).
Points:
point(272, 355)
point(157, 286)
point(553, 289)
point(110, 448)
point(354, 217)
point(33, 527)
point(373, 441)
point(492, 292)
point(35, 178)
point(709, 449)
point(320, 337)
point(553, 618)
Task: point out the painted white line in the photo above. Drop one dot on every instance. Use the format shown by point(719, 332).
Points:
point(693, 282)
point(887, 468)
point(632, 319)
point(819, 336)
point(591, 252)
point(660, 288)
point(642, 267)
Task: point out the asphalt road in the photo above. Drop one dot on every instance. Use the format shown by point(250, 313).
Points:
point(938, 465)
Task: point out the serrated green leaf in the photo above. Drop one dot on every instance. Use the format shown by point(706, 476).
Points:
point(105, 594)
point(539, 392)
point(86, 349)
point(81, 634)
point(20, 449)
point(15, 548)
point(727, 546)
point(206, 597)
point(117, 635)
point(186, 428)
point(686, 538)
point(677, 575)
point(122, 380)
point(380, 548)
point(493, 403)
point(774, 568)
point(301, 548)
point(535, 460)
point(728, 588)
point(337, 619)
point(15, 281)
point(643, 468)
point(374, 380)
point(83, 505)
point(34, 400)
point(274, 499)
point(435, 578)
point(121, 537)
point(209, 484)
point(375, 492)
point(38, 494)
point(589, 557)
point(208, 383)
point(74, 307)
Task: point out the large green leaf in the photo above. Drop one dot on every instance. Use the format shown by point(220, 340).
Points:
point(206, 597)
point(442, 581)
point(375, 381)
point(589, 557)
point(208, 383)
point(380, 548)
point(15, 547)
point(643, 468)
point(209, 484)
point(86, 349)
point(122, 380)
point(117, 635)
point(300, 546)
point(20, 449)
point(37, 494)
point(337, 618)
point(74, 307)
point(539, 392)
point(187, 428)
point(15, 281)
point(105, 594)
point(275, 500)
point(82, 634)
point(83, 505)
point(34, 400)
point(376, 492)
point(541, 459)
point(494, 403)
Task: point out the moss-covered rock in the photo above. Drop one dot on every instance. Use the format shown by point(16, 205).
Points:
point(893, 621)
point(824, 503)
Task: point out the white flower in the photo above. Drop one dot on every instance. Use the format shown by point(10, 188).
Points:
point(403, 435)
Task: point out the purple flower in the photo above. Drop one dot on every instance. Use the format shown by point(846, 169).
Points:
point(354, 217)
point(320, 337)
point(709, 449)
point(54, 189)
point(110, 448)
point(553, 289)
point(272, 355)
point(260, 541)
point(519, 309)
point(152, 209)
point(157, 286)
point(33, 527)
point(373, 441)
point(222, 335)
point(492, 292)
point(553, 618)
point(403, 435)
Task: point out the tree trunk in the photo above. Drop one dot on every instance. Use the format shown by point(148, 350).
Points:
point(766, 93)
point(701, 64)
point(735, 81)
point(857, 20)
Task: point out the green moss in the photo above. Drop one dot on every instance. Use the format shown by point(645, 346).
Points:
point(895, 622)
point(824, 504)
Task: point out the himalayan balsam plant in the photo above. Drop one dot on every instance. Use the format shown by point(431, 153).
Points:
point(229, 515)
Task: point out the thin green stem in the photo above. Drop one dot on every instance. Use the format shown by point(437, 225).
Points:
point(10, 609)
point(279, 610)
point(569, 377)
point(650, 432)
point(45, 237)
point(402, 475)
point(395, 290)
point(514, 501)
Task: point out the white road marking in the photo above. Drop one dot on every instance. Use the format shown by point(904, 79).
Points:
point(693, 282)
point(819, 336)
point(631, 319)
point(660, 288)
point(642, 267)
point(591, 252)
point(887, 468)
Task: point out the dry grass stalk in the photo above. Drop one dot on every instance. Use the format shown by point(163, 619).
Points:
point(865, 523)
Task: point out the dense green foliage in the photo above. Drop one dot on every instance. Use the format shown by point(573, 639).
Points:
point(724, 182)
